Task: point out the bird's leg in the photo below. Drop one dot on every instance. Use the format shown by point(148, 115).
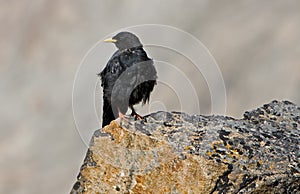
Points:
point(136, 115)
point(121, 115)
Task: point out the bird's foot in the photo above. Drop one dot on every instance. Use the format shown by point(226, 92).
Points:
point(123, 118)
point(136, 116)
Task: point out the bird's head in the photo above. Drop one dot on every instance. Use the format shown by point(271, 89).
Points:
point(125, 40)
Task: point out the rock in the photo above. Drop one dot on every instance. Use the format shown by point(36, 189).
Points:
point(178, 153)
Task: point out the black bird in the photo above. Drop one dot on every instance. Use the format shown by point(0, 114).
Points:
point(128, 78)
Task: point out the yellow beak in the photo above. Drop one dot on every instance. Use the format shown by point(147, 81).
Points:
point(110, 40)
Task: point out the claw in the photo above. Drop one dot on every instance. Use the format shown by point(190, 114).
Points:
point(136, 115)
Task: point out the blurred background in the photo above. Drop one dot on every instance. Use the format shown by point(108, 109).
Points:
point(255, 43)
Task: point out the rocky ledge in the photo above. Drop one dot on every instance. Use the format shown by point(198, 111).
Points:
point(179, 153)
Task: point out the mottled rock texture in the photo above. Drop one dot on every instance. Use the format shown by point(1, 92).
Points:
point(178, 153)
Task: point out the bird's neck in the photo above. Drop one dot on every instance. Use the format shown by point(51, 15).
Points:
point(132, 48)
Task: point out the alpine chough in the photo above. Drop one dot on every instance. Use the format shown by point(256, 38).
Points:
point(128, 78)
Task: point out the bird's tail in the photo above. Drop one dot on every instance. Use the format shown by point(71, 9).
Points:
point(108, 114)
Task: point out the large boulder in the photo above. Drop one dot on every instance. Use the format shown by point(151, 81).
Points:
point(180, 153)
